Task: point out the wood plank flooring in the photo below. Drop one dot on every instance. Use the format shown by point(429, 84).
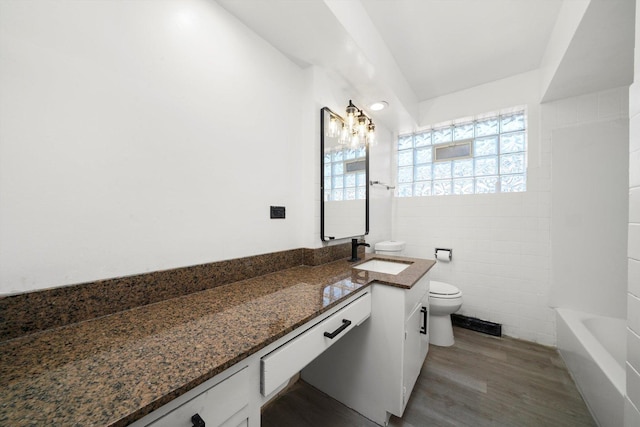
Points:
point(479, 381)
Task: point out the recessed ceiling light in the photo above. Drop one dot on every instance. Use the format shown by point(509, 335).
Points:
point(380, 105)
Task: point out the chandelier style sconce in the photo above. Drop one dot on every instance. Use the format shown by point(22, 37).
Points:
point(356, 131)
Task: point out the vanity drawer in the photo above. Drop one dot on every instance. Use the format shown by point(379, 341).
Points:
point(288, 359)
point(216, 406)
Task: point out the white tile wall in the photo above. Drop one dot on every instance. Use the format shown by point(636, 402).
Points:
point(582, 229)
point(634, 205)
point(632, 404)
point(633, 385)
point(579, 111)
point(634, 241)
point(634, 168)
point(587, 108)
point(500, 255)
point(633, 349)
point(634, 277)
point(611, 103)
point(631, 414)
point(501, 242)
point(634, 130)
point(633, 313)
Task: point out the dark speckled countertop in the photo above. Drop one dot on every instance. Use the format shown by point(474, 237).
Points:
point(112, 370)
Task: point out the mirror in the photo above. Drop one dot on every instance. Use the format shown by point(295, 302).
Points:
point(344, 189)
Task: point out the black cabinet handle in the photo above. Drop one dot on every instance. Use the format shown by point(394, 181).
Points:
point(423, 328)
point(345, 325)
point(197, 421)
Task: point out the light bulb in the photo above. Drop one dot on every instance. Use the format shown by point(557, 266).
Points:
point(371, 135)
point(351, 115)
point(355, 140)
point(362, 125)
point(351, 119)
point(333, 127)
point(344, 135)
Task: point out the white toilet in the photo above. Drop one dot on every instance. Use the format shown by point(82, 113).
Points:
point(444, 299)
point(390, 247)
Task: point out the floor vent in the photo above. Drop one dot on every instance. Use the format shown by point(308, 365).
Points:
point(478, 325)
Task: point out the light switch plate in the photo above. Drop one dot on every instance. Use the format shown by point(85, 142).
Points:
point(277, 212)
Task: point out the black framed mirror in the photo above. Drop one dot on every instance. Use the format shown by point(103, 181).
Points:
point(344, 182)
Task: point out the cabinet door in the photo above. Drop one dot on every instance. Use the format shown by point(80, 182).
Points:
point(239, 420)
point(424, 329)
point(414, 353)
point(415, 295)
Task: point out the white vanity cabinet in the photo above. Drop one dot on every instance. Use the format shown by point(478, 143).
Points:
point(234, 397)
point(216, 403)
point(374, 371)
point(288, 359)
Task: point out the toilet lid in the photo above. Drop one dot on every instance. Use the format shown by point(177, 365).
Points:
point(441, 288)
point(390, 245)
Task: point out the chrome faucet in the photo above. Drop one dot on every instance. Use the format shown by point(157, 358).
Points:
point(354, 249)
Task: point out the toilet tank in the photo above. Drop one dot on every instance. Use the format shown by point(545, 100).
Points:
point(390, 247)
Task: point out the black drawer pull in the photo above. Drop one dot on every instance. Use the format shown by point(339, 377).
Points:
point(423, 328)
point(345, 325)
point(197, 421)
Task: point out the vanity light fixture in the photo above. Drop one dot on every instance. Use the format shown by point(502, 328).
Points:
point(358, 129)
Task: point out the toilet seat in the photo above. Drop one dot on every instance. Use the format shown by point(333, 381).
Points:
point(443, 290)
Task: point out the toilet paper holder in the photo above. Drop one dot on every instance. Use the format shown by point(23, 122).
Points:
point(443, 249)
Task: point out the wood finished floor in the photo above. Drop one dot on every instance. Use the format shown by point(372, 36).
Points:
point(479, 381)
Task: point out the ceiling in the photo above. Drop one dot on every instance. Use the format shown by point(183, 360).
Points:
point(409, 51)
point(600, 54)
point(446, 46)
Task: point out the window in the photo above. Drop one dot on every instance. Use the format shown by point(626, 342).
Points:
point(345, 176)
point(481, 155)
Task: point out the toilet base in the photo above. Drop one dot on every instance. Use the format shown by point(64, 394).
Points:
point(441, 331)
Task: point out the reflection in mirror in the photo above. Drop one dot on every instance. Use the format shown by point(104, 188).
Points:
point(344, 177)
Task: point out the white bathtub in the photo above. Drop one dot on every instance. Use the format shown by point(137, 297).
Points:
point(594, 349)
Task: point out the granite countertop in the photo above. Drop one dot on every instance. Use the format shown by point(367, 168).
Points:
point(115, 369)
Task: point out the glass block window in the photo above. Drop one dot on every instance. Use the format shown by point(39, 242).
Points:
point(345, 176)
point(497, 164)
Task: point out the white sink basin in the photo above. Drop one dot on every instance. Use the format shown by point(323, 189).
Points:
point(383, 266)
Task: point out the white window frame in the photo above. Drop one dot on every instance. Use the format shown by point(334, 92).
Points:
point(421, 174)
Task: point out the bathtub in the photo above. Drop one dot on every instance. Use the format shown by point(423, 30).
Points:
point(594, 348)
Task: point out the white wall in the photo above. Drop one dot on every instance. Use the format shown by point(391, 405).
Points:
point(589, 216)
point(632, 404)
point(567, 22)
point(587, 222)
point(142, 136)
point(522, 89)
point(330, 90)
point(500, 242)
point(139, 136)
